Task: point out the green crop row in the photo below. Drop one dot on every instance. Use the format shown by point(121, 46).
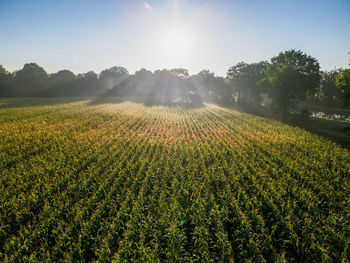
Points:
point(125, 182)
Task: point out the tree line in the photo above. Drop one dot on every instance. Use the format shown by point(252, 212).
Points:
point(161, 86)
point(290, 77)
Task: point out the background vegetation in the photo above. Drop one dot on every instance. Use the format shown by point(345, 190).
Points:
point(289, 78)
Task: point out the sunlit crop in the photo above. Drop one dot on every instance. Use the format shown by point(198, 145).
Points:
point(128, 182)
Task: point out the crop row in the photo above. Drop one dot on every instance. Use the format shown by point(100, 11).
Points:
point(126, 182)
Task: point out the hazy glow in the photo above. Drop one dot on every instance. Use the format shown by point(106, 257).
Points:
point(174, 44)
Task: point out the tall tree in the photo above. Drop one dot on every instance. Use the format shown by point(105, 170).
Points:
point(30, 80)
point(244, 79)
point(328, 93)
point(113, 76)
point(203, 81)
point(85, 84)
point(61, 77)
point(290, 77)
point(212, 88)
point(5, 81)
point(343, 83)
point(144, 82)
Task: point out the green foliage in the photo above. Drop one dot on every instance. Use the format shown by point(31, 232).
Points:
point(109, 78)
point(328, 93)
point(212, 88)
point(5, 80)
point(3, 71)
point(61, 77)
point(292, 75)
point(30, 80)
point(245, 78)
point(125, 182)
point(343, 83)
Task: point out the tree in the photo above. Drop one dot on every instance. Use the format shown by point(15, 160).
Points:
point(85, 84)
point(244, 79)
point(61, 77)
point(113, 76)
point(222, 90)
point(290, 77)
point(143, 82)
point(343, 83)
point(3, 71)
point(5, 81)
point(180, 72)
point(203, 81)
point(30, 80)
point(212, 88)
point(179, 87)
point(328, 92)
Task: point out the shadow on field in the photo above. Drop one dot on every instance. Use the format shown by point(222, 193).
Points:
point(149, 102)
point(336, 131)
point(19, 102)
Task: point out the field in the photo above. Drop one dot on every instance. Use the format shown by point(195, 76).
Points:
point(126, 182)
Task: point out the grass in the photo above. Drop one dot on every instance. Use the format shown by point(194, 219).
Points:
point(82, 181)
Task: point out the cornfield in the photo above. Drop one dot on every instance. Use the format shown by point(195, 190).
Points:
point(126, 182)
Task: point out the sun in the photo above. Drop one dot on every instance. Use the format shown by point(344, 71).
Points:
point(175, 44)
point(175, 41)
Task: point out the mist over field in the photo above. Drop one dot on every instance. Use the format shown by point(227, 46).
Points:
point(174, 131)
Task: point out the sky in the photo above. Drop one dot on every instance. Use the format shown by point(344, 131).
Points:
point(83, 35)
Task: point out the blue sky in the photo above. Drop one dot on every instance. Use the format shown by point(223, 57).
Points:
point(195, 34)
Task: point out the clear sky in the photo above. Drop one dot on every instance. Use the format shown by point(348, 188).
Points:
point(82, 35)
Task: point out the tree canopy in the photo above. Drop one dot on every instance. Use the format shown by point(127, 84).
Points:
point(3, 71)
point(291, 76)
point(61, 77)
point(343, 83)
point(30, 80)
point(288, 78)
point(5, 80)
point(111, 77)
point(328, 93)
point(244, 79)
